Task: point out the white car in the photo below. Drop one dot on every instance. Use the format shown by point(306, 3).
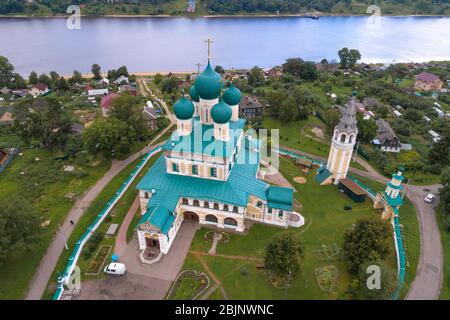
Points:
point(115, 268)
point(429, 198)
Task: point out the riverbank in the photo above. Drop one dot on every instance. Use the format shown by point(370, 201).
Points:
point(298, 15)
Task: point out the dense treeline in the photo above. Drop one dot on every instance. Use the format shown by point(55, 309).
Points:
point(100, 7)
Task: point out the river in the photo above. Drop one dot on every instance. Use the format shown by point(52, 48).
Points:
point(177, 44)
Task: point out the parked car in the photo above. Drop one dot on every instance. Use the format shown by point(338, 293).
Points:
point(429, 198)
point(116, 268)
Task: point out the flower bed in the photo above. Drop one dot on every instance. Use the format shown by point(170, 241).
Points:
point(327, 278)
point(209, 236)
point(189, 285)
point(98, 261)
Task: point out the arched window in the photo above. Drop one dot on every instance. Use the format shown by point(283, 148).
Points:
point(185, 201)
point(335, 135)
point(350, 140)
point(196, 203)
point(211, 218)
point(259, 204)
point(225, 207)
point(230, 222)
point(206, 204)
point(216, 206)
point(343, 136)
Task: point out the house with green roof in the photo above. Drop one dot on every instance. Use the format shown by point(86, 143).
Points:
point(208, 173)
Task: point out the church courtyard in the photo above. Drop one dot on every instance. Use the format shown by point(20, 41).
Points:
point(236, 268)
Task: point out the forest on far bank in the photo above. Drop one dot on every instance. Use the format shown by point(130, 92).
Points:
point(226, 7)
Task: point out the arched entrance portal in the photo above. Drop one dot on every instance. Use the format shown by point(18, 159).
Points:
point(190, 216)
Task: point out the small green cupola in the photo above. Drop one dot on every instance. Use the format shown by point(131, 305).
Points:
point(232, 96)
point(184, 109)
point(194, 94)
point(221, 112)
point(208, 84)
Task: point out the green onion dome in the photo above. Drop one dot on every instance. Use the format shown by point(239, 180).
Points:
point(232, 96)
point(184, 109)
point(221, 112)
point(194, 94)
point(207, 84)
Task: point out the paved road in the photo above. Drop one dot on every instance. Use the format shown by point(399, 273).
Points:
point(429, 277)
point(48, 263)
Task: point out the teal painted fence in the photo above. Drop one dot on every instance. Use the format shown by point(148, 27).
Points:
point(73, 258)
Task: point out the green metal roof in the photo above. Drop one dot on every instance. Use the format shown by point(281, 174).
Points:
point(322, 174)
point(280, 198)
point(397, 177)
point(221, 112)
point(202, 140)
point(184, 109)
point(208, 83)
point(241, 183)
point(232, 96)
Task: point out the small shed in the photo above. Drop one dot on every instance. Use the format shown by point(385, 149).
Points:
point(304, 162)
point(112, 229)
point(352, 190)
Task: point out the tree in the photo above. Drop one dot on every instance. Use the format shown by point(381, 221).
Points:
point(219, 69)
point(284, 255)
point(54, 79)
point(77, 77)
point(349, 58)
point(45, 79)
point(42, 119)
point(107, 135)
point(440, 151)
point(331, 117)
point(397, 71)
point(388, 282)
point(367, 129)
point(256, 77)
point(288, 110)
point(444, 198)
point(96, 71)
point(33, 78)
point(18, 82)
point(158, 78)
point(366, 241)
point(169, 84)
point(274, 99)
point(305, 70)
point(126, 108)
point(19, 226)
point(6, 72)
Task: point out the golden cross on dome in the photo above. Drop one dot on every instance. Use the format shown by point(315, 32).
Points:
point(209, 42)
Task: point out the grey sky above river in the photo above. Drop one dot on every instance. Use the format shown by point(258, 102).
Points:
point(176, 44)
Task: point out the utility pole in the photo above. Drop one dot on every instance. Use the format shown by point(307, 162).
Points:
point(198, 67)
point(356, 151)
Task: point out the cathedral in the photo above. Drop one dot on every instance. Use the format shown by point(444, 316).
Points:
point(208, 173)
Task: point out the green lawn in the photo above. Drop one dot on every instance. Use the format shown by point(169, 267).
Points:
point(445, 239)
point(326, 221)
point(49, 188)
point(118, 214)
point(291, 135)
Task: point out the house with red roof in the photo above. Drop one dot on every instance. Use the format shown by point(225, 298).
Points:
point(428, 82)
point(39, 89)
point(106, 102)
